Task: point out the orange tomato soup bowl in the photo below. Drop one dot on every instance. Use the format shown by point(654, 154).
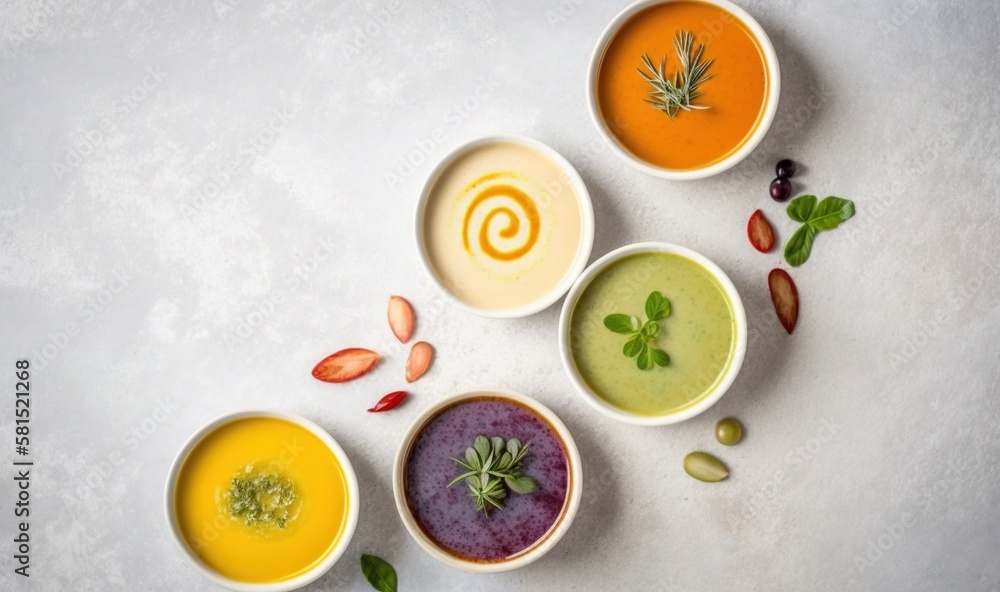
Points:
point(736, 103)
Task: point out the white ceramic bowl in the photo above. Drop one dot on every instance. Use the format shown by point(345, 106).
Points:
point(570, 507)
point(586, 228)
point(610, 410)
point(284, 586)
point(770, 106)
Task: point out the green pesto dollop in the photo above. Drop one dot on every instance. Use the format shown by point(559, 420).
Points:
point(261, 498)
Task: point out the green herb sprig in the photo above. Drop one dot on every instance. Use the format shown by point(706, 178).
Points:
point(671, 96)
point(815, 218)
point(492, 467)
point(639, 346)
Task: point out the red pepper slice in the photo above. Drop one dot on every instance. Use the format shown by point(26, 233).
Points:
point(390, 401)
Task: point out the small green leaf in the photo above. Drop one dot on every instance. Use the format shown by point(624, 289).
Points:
point(483, 447)
point(496, 504)
point(831, 212)
point(660, 357)
point(513, 446)
point(464, 477)
point(619, 323)
point(498, 446)
point(801, 208)
point(657, 307)
point(473, 459)
point(464, 464)
point(379, 573)
point(519, 483)
point(645, 359)
point(521, 452)
point(506, 459)
point(800, 245)
point(633, 346)
point(650, 330)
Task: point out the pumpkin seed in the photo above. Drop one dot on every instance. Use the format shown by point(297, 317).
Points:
point(705, 467)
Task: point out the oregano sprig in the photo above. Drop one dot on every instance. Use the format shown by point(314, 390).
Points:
point(492, 467)
point(641, 343)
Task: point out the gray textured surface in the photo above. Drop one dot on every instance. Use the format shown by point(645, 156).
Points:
point(891, 103)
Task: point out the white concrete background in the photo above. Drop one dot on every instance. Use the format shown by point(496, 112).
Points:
point(874, 425)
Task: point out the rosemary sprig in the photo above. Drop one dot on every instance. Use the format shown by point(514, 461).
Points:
point(492, 467)
point(672, 95)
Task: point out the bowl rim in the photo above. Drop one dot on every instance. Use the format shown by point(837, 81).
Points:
point(301, 580)
point(595, 401)
point(763, 125)
point(570, 508)
point(584, 246)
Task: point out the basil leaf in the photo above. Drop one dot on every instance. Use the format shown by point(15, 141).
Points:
point(657, 307)
point(801, 208)
point(619, 323)
point(831, 212)
point(660, 357)
point(633, 346)
point(379, 573)
point(800, 245)
point(645, 359)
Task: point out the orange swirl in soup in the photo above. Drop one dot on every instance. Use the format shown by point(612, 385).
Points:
point(501, 226)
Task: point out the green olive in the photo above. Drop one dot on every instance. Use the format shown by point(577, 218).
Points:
point(728, 431)
point(705, 467)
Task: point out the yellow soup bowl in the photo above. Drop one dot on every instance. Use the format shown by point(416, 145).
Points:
point(262, 501)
